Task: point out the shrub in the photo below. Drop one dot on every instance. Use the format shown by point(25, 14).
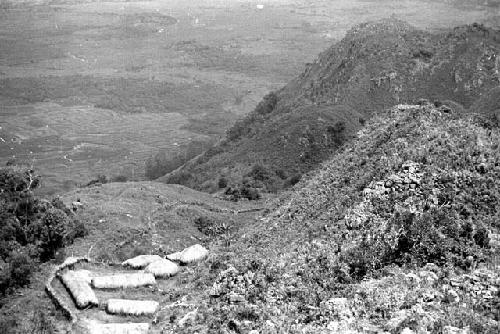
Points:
point(210, 226)
point(163, 163)
point(259, 173)
point(281, 173)
point(337, 132)
point(268, 104)
point(182, 177)
point(251, 194)
point(21, 268)
point(243, 191)
point(32, 229)
point(119, 178)
point(222, 183)
point(100, 179)
point(292, 180)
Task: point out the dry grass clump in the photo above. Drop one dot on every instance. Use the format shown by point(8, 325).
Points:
point(123, 328)
point(162, 268)
point(191, 254)
point(141, 261)
point(123, 281)
point(78, 286)
point(131, 307)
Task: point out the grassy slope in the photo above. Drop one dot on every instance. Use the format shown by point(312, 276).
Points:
point(374, 67)
point(124, 220)
point(343, 233)
point(339, 234)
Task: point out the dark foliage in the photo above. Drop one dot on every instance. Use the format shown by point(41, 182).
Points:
point(32, 229)
point(163, 163)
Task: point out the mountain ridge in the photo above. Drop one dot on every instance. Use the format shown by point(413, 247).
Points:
point(377, 65)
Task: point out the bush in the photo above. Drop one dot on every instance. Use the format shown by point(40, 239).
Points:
point(268, 104)
point(32, 229)
point(243, 127)
point(251, 194)
point(21, 268)
point(292, 180)
point(243, 191)
point(337, 133)
point(259, 173)
point(281, 174)
point(163, 163)
point(181, 177)
point(16, 271)
point(119, 178)
point(101, 179)
point(222, 183)
point(436, 237)
point(210, 226)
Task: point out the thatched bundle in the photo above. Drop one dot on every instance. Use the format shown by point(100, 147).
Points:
point(131, 307)
point(54, 296)
point(174, 256)
point(118, 328)
point(80, 290)
point(141, 261)
point(162, 268)
point(84, 275)
point(123, 281)
point(189, 255)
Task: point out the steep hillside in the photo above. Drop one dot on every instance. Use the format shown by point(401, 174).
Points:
point(399, 230)
point(396, 233)
point(374, 67)
point(489, 105)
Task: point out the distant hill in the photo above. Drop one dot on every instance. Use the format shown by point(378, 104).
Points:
point(375, 66)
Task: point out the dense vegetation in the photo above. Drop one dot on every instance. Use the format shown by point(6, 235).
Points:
point(162, 162)
point(32, 230)
point(402, 224)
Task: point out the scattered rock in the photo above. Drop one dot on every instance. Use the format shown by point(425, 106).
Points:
point(340, 308)
point(407, 330)
point(432, 267)
point(412, 278)
point(428, 276)
point(397, 320)
point(188, 318)
point(455, 330)
point(235, 298)
point(494, 240)
point(452, 296)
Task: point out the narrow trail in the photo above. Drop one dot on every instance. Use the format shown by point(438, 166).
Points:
point(128, 219)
